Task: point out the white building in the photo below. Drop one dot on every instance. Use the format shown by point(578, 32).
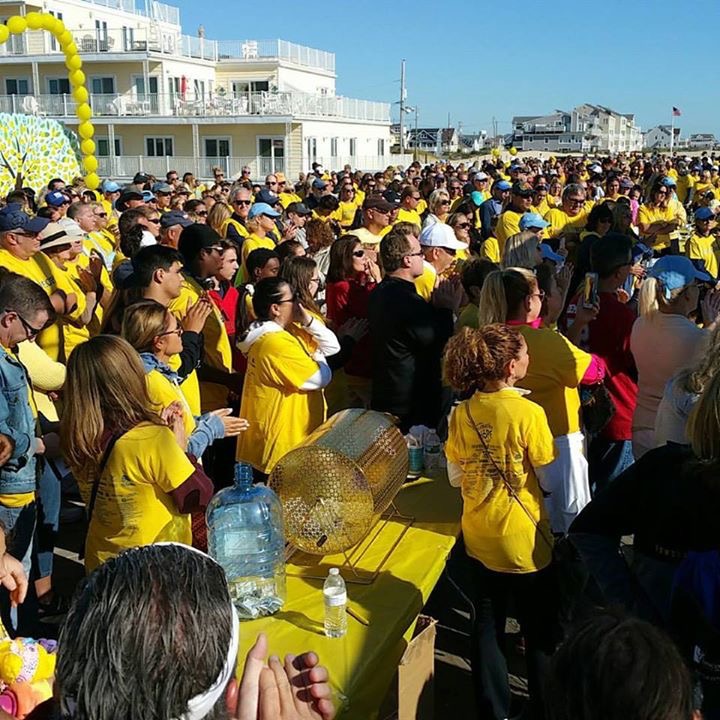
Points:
point(658, 138)
point(163, 100)
point(702, 141)
point(586, 128)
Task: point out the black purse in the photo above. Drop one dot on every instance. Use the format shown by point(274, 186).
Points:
point(597, 407)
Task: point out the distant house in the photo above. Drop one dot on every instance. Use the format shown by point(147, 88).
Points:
point(702, 141)
point(472, 143)
point(659, 137)
point(439, 140)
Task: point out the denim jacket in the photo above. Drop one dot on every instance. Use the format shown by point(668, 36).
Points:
point(208, 427)
point(16, 421)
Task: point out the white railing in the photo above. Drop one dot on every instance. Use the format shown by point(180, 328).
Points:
point(126, 166)
point(273, 104)
point(155, 40)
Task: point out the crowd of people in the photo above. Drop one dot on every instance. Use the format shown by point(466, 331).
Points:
point(555, 321)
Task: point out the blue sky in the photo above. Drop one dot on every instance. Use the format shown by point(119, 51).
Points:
point(476, 59)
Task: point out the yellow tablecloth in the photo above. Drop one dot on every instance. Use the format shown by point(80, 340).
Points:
point(362, 664)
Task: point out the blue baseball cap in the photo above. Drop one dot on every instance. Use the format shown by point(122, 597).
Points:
point(57, 198)
point(148, 196)
point(262, 208)
point(503, 185)
point(704, 213)
point(162, 187)
point(676, 271)
point(667, 181)
point(549, 254)
point(532, 220)
point(12, 217)
point(110, 186)
point(267, 196)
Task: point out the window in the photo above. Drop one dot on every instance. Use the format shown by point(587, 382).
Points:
point(353, 147)
point(241, 88)
point(128, 35)
point(103, 146)
point(217, 147)
point(199, 88)
point(102, 85)
point(381, 147)
point(58, 86)
point(312, 150)
point(271, 154)
point(17, 86)
point(333, 147)
point(53, 41)
point(158, 146)
point(101, 36)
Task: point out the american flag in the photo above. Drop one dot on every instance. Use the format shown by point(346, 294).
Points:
point(676, 112)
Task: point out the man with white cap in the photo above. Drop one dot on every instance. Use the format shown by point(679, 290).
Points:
point(439, 246)
point(480, 183)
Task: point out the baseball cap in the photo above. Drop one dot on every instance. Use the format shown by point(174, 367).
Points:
point(532, 220)
point(595, 169)
point(175, 217)
point(56, 198)
point(704, 213)
point(626, 183)
point(441, 235)
point(12, 217)
point(503, 185)
point(148, 196)
point(261, 208)
point(110, 186)
point(298, 208)
point(266, 196)
point(667, 181)
point(392, 197)
point(480, 176)
point(280, 177)
point(378, 202)
point(674, 272)
point(319, 184)
point(522, 189)
point(196, 237)
point(141, 178)
point(549, 254)
point(126, 197)
point(161, 187)
point(54, 235)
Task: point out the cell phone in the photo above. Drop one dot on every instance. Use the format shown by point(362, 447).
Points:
point(590, 290)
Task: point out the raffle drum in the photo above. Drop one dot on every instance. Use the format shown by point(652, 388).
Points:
point(337, 484)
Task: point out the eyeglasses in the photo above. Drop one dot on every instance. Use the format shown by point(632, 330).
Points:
point(217, 248)
point(539, 293)
point(31, 331)
point(450, 251)
point(24, 234)
point(202, 213)
point(415, 254)
point(315, 280)
point(575, 201)
point(289, 300)
point(177, 331)
point(242, 202)
point(358, 253)
point(269, 184)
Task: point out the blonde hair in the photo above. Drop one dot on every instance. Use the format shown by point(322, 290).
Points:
point(651, 298)
point(143, 322)
point(435, 200)
point(503, 292)
point(105, 392)
point(253, 224)
point(703, 426)
point(217, 216)
point(694, 379)
point(521, 250)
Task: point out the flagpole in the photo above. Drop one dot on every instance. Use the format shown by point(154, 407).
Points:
point(672, 130)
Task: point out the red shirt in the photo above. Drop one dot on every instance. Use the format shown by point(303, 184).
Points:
point(348, 299)
point(608, 337)
point(227, 301)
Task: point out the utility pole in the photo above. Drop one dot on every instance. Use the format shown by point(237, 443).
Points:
point(416, 134)
point(402, 108)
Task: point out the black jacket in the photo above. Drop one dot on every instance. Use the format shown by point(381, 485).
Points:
point(408, 338)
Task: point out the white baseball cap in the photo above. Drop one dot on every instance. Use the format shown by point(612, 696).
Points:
point(441, 235)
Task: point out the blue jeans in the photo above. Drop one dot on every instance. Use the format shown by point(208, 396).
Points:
point(606, 460)
point(20, 530)
point(48, 521)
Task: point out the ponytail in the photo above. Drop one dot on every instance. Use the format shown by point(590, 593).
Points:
point(503, 293)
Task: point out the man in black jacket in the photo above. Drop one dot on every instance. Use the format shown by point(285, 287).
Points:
point(409, 335)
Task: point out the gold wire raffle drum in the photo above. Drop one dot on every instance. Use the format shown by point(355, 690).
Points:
point(338, 483)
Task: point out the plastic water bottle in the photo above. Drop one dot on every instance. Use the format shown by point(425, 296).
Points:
point(335, 596)
point(245, 535)
point(432, 451)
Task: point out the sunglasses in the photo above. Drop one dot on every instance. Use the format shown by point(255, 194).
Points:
point(202, 213)
point(242, 202)
point(154, 221)
point(445, 202)
point(31, 331)
point(463, 226)
point(358, 253)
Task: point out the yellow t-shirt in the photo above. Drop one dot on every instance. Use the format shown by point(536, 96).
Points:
point(556, 369)
point(347, 213)
point(281, 415)
point(490, 250)
point(190, 386)
point(496, 529)
point(648, 215)
point(421, 207)
point(133, 505)
point(164, 392)
point(704, 248)
point(218, 353)
point(684, 183)
point(508, 224)
point(287, 198)
point(241, 229)
point(561, 222)
point(425, 283)
point(411, 216)
point(253, 242)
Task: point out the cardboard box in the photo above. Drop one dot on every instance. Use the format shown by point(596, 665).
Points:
point(411, 695)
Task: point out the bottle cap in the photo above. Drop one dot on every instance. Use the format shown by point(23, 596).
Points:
point(334, 571)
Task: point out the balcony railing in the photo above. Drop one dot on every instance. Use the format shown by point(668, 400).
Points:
point(272, 104)
point(154, 40)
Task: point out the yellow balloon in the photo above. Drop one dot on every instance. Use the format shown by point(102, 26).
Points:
point(65, 39)
point(73, 62)
point(513, 151)
point(87, 147)
point(92, 181)
point(58, 28)
point(48, 22)
point(4, 33)
point(86, 130)
point(495, 152)
point(71, 49)
point(83, 112)
point(90, 163)
point(34, 20)
point(77, 78)
point(16, 24)
point(80, 95)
